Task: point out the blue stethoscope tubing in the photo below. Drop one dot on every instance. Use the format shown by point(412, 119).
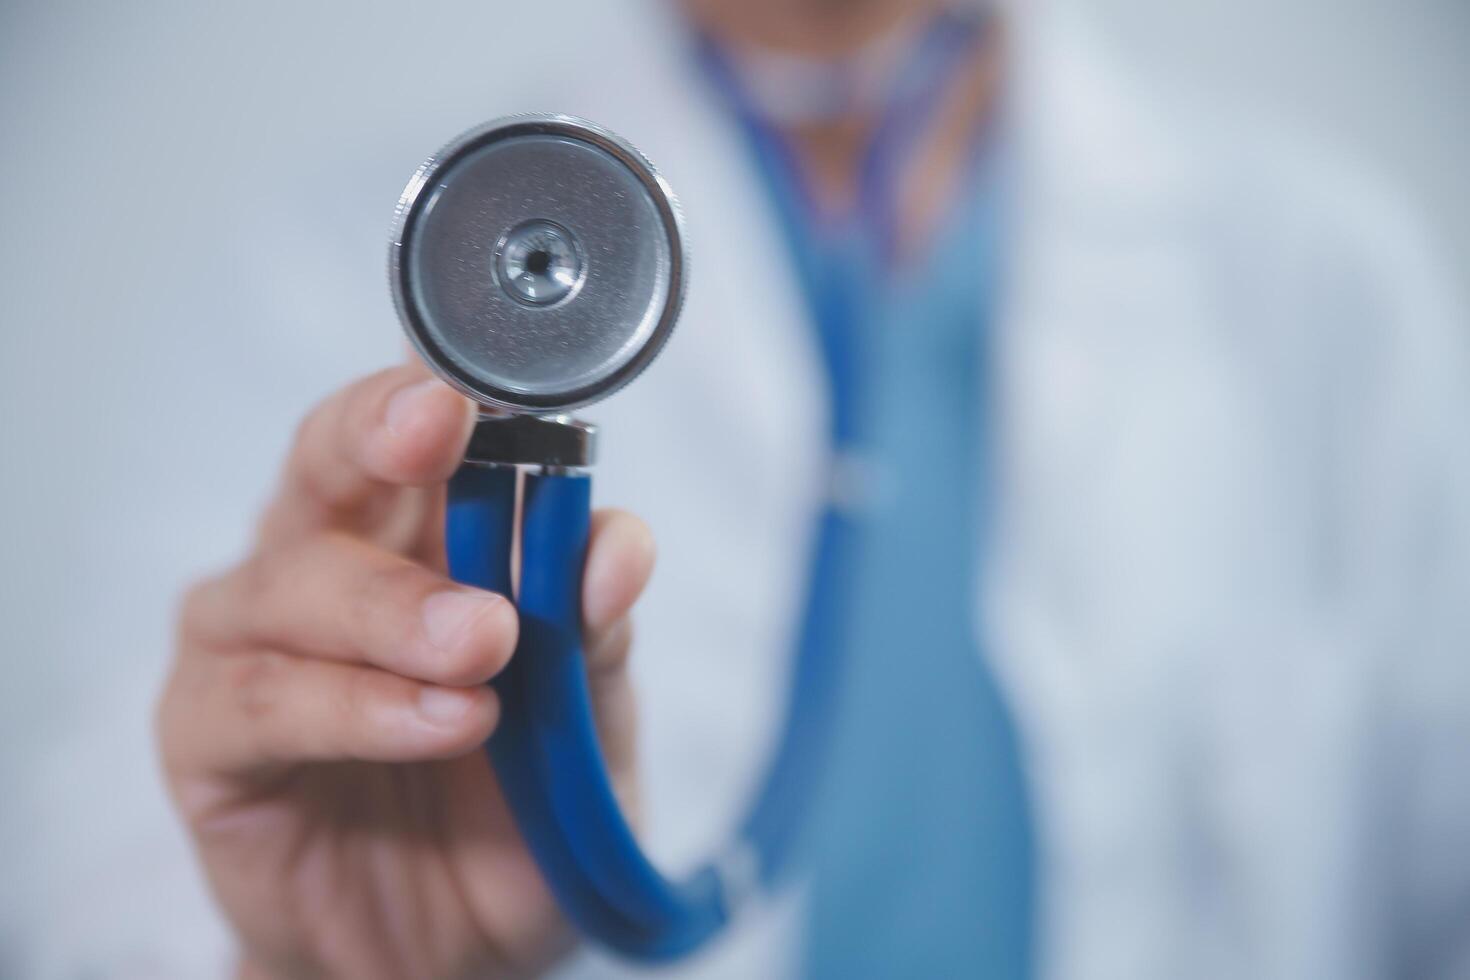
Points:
point(545, 749)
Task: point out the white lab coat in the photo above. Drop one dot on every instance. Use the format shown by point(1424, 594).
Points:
point(1228, 600)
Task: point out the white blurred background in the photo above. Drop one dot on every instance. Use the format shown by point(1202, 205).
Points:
point(1370, 77)
point(112, 115)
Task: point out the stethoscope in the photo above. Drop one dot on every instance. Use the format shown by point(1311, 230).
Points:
point(538, 265)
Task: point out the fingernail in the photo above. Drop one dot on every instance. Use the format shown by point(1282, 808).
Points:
point(449, 616)
point(407, 403)
point(443, 705)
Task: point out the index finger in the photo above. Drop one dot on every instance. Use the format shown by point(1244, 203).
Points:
point(394, 429)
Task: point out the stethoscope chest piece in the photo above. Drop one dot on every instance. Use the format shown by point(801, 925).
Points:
point(537, 263)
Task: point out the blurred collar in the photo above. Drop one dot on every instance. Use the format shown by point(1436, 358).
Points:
point(791, 90)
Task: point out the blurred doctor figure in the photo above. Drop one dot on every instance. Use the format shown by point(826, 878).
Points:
point(1154, 606)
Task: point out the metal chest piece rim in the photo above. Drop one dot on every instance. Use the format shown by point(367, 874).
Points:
point(541, 267)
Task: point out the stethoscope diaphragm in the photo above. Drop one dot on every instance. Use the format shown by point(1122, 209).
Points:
point(537, 263)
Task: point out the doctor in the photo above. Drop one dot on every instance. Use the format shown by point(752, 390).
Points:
point(1155, 599)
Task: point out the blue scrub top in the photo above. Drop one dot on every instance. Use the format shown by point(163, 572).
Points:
point(921, 845)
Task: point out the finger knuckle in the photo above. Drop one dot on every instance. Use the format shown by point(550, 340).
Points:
point(311, 469)
point(307, 432)
point(611, 650)
point(195, 610)
point(255, 684)
point(364, 400)
point(255, 575)
point(389, 591)
point(356, 709)
point(395, 578)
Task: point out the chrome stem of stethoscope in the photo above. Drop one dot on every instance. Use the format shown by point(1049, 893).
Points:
point(552, 443)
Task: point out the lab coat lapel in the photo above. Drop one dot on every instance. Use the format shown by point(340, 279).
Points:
point(1119, 422)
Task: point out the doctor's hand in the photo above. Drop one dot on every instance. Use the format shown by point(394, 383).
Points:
point(322, 723)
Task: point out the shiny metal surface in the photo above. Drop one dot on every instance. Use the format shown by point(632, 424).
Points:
point(532, 440)
point(537, 263)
